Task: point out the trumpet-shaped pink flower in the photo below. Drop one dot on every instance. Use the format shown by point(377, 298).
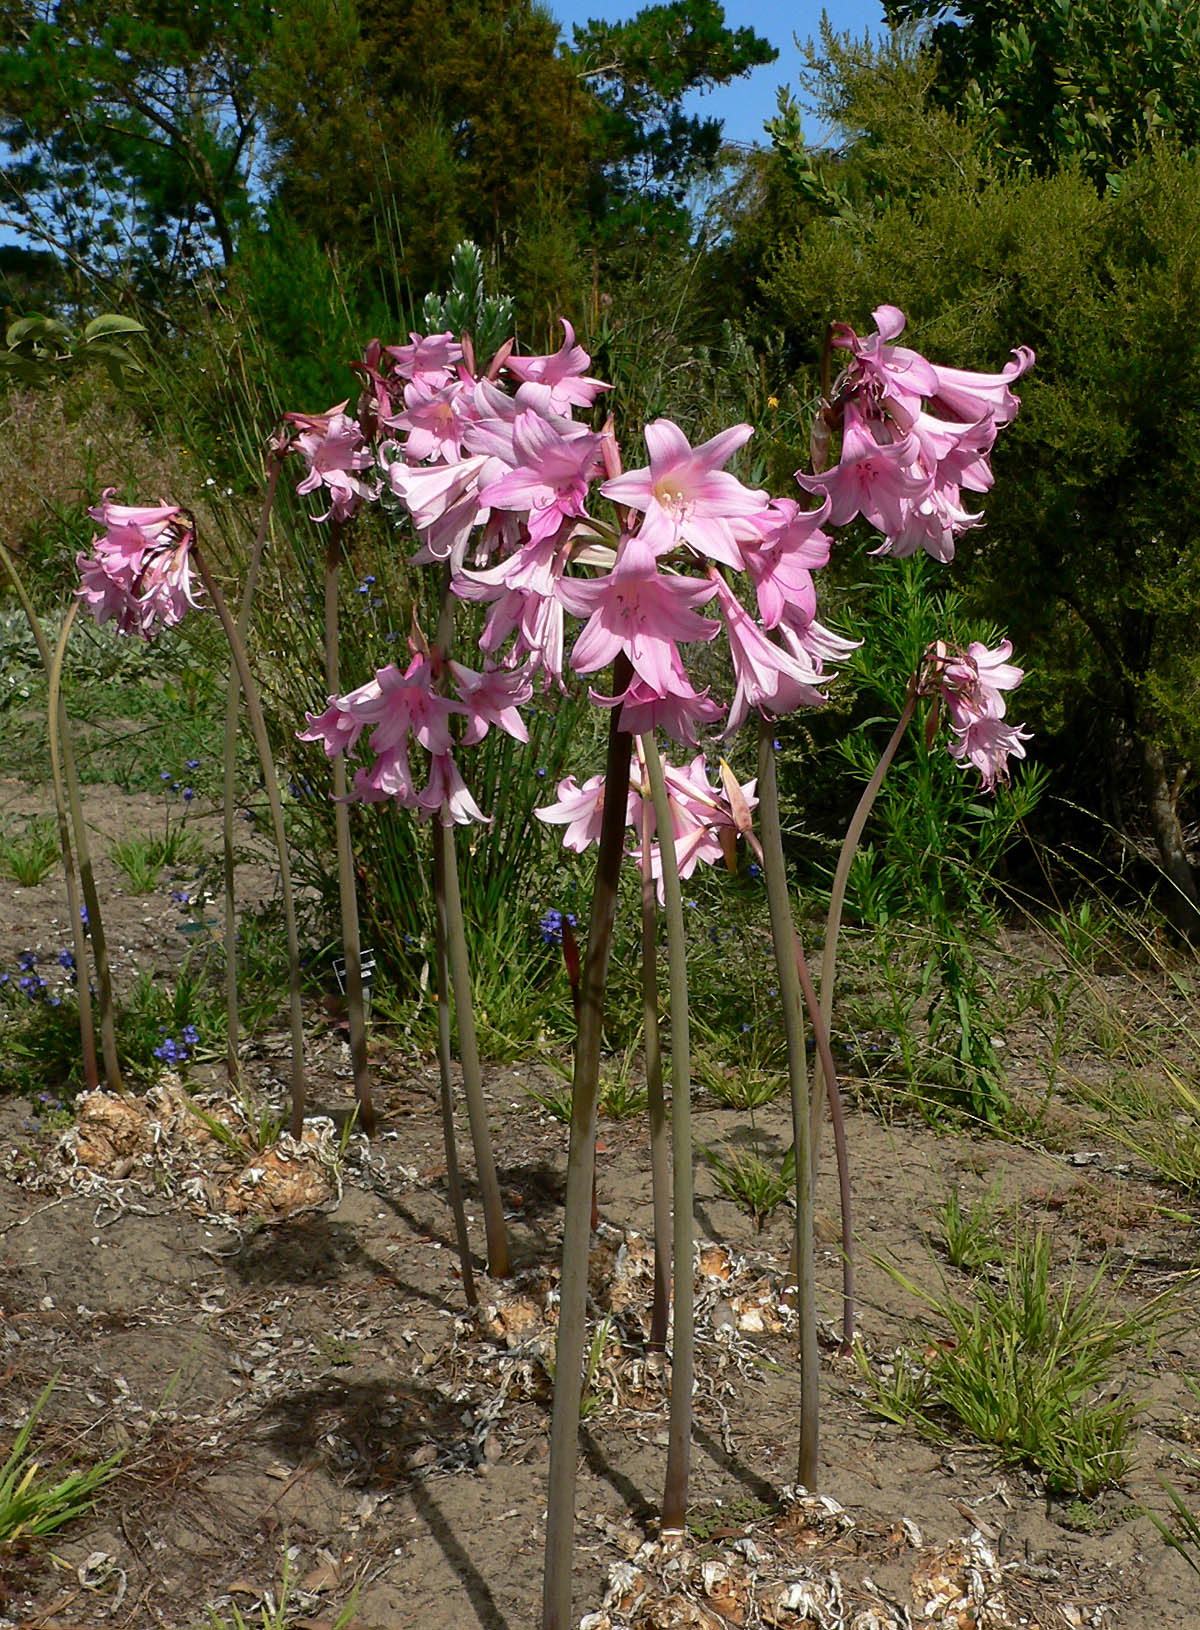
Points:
point(430, 360)
point(638, 609)
point(581, 810)
point(493, 697)
point(550, 478)
point(678, 711)
point(140, 572)
point(783, 548)
point(769, 678)
point(972, 684)
point(988, 744)
point(334, 450)
point(563, 374)
point(703, 826)
point(878, 479)
point(686, 495)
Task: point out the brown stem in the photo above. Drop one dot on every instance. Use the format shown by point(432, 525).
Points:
point(572, 1309)
point(87, 877)
point(446, 1074)
point(660, 1146)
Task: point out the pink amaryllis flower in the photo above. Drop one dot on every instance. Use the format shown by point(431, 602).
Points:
point(685, 493)
point(769, 678)
point(638, 609)
point(332, 446)
point(563, 374)
point(972, 684)
point(704, 828)
point(581, 811)
point(550, 477)
point(139, 574)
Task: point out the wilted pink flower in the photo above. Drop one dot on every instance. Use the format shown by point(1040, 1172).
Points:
point(686, 495)
point(140, 572)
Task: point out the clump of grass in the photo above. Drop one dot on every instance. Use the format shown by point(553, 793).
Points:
point(142, 859)
point(750, 1181)
point(1027, 1369)
point(29, 856)
point(969, 1237)
point(31, 1507)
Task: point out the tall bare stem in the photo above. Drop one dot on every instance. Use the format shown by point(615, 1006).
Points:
point(60, 744)
point(87, 877)
point(660, 1146)
point(679, 1427)
point(232, 696)
point(572, 1306)
point(262, 743)
point(446, 1072)
point(347, 895)
point(841, 877)
point(784, 941)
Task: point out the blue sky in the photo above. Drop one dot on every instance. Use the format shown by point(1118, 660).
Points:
point(745, 103)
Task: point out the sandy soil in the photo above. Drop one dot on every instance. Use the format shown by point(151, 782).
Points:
point(313, 1385)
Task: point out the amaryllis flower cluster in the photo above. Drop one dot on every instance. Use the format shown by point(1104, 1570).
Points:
point(971, 684)
point(139, 573)
point(704, 826)
point(913, 436)
point(532, 513)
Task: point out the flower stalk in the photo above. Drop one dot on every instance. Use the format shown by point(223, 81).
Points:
point(266, 761)
point(61, 755)
point(229, 776)
point(679, 1430)
point(660, 1142)
point(572, 1308)
point(784, 941)
point(347, 894)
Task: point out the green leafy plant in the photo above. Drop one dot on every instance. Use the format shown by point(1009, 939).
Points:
point(1027, 1368)
point(750, 1181)
point(142, 859)
point(31, 855)
point(31, 1507)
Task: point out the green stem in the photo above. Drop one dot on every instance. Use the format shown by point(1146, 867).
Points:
point(464, 1006)
point(679, 1430)
point(468, 1052)
point(572, 1307)
point(784, 940)
point(258, 727)
point(87, 877)
point(841, 877)
point(446, 1074)
point(347, 897)
point(660, 1148)
point(232, 697)
point(59, 738)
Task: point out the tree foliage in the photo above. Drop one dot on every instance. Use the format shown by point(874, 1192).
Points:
point(1055, 81)
point(130, 129)
point(645, 152)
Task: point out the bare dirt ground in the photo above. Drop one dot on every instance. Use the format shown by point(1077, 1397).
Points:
point(309, 1383)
